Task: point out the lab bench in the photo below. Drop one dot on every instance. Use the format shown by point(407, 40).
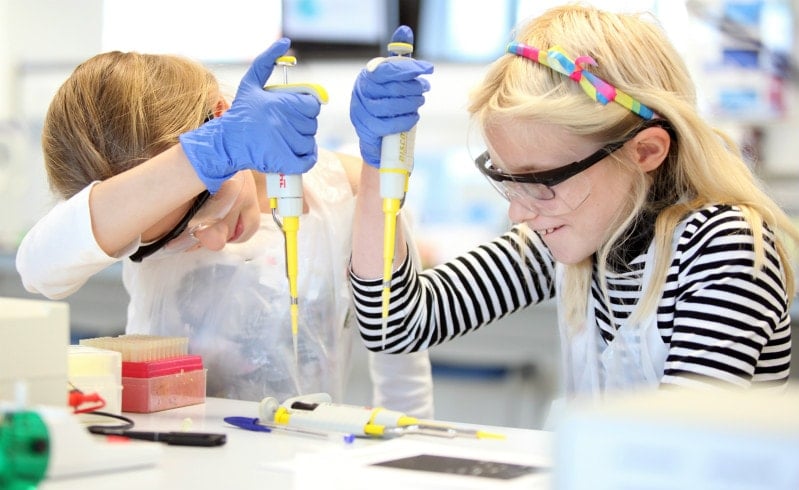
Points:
point(283, 460)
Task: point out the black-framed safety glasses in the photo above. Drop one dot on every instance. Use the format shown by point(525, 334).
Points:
point(146, 250)
point(536, 190)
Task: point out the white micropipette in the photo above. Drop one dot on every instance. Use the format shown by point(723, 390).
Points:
point(396, 164)
point(285, 199)
point(316, 412)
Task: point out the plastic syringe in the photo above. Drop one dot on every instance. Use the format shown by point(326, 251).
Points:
point(286, 201)
point(396, 164)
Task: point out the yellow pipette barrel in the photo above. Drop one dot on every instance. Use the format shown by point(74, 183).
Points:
point(390, 209)
point(290, 226)
point(287, 211)
point(396, 164)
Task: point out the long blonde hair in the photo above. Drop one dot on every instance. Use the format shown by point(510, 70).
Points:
point(118, 109)
point(632, 53)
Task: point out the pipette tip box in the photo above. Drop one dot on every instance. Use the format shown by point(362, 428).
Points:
point(153, 386)
point(157, 372)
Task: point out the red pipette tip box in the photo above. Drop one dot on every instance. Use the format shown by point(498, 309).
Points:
point(153, 386)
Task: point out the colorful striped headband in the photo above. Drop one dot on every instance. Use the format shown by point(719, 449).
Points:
point(596, 88)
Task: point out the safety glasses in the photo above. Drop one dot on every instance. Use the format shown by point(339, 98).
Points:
point(205, 211)
point(557, 191)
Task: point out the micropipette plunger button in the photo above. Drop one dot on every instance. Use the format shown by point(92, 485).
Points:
point(400, 48)
point(286, 61)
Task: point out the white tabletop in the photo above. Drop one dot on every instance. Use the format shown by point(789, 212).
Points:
point(279, 460)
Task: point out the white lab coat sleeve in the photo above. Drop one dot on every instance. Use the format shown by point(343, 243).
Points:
point(404, 382)
point(59, 254)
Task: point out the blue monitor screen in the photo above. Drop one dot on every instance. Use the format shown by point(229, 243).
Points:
point(344, 28)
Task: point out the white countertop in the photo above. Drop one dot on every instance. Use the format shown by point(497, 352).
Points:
point(283, 461)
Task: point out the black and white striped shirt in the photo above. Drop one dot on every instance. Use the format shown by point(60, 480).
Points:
point(719, 322)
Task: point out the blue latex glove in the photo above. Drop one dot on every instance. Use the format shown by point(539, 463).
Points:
point(387, 100)
point(268, 131)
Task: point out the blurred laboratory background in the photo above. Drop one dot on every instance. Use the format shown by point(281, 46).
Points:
point(742, 54)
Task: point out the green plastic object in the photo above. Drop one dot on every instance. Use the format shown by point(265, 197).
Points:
point(24, 450)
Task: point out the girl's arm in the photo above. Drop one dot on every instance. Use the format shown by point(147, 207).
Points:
point(438, 304)
point(130, 205)
point(731, 322)
point(367, 231)
point(103, 223)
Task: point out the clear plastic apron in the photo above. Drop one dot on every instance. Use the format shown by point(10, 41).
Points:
point(634, 358)
point(234, 304)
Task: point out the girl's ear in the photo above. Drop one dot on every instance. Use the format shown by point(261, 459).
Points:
point(650, 148)
point(220, 107)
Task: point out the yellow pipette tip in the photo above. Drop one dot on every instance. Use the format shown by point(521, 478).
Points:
point(295, 314)
point(290, 226)
point(391, 207)
point(386, 297)
point(406, 420)
point(386, 301)
point(480, 434)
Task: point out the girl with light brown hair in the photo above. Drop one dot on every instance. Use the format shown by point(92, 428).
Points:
point(157, 171)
